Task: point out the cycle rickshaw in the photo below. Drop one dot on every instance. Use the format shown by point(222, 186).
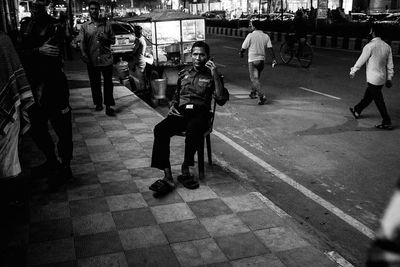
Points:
point(169, 35)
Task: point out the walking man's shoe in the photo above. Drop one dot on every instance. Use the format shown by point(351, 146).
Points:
point(253, 95)
point(110, 111)
point(262, 100)
point(356, 115)
point(384, 126)
point(99, 107)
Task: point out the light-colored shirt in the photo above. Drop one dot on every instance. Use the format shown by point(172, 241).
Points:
point(138, 53)
point(256, 42)
point(378, 56)
point(99, 53)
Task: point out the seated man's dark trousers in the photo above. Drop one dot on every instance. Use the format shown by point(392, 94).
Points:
point(374, 93)
point(193, 122)
point(95, 84)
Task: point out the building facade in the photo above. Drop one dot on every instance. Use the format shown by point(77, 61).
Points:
point(268, 6)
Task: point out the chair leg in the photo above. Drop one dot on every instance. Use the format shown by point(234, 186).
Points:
point(208, 142)
point(200, 159)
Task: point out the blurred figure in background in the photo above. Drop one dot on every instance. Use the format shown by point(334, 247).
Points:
point(40, 43)
point(385, 249)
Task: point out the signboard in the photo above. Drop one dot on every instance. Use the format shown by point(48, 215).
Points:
point(322, 12)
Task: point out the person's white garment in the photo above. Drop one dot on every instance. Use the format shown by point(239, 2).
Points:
point(256, 42)
point(9, 159)
point(378, 56)
point(138, 53)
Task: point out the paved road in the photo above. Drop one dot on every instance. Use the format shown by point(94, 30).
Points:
point(310, 137)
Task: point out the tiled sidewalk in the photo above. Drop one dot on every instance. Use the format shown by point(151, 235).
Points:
point(108, 217)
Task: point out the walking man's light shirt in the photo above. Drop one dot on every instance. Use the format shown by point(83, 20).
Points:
point(256, 43)
point(378, 56)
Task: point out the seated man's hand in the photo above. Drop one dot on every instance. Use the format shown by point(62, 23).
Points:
point(211, 65)
point(173, 111)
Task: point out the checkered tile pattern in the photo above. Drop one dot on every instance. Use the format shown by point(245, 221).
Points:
point(108, 217)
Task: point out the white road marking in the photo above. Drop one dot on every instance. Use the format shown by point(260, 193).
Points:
point(220, 65)
point(281, 213)
point(336, 257)
point(233, 48)
point(332, 255)
point(316, 92)
point(305, 191)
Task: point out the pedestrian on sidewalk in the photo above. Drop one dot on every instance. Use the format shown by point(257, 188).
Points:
point(96, 37)
point(257, 42)
point(378, 56)
point(189, 113)
point(40, 43)
point(139, 62)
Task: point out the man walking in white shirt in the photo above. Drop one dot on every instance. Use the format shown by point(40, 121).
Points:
point(257, 42)
point(378, 56)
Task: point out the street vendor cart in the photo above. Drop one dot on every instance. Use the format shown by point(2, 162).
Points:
point(170, 35)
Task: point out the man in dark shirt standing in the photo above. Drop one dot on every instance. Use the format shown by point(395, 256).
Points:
point(300, 30)
point(41, 38)
point(96, 38)
point(189, 112)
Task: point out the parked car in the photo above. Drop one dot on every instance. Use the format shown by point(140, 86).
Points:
point(278, 16)
point(376, 16)
point(214, 14)
point(124, 37)
point(393, 18)
point(260, 17)
point(360, 17)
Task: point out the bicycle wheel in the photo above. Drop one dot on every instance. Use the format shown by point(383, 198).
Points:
point(286, 53)
point(305, 57)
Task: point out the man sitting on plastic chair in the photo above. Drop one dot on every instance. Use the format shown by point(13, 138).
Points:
point(189, 113)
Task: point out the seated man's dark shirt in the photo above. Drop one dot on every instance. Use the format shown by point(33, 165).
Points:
point(197, 88)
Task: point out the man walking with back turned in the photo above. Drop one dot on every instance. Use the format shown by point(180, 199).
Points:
point(257, 42)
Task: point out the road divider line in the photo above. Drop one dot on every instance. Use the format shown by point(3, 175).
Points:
point(221, 65)
point(233, 48)
point(316, 92)
point(305, 191)
point(336, 257)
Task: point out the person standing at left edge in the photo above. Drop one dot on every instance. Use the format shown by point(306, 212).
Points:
point(40, 40)
point(96, 38)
